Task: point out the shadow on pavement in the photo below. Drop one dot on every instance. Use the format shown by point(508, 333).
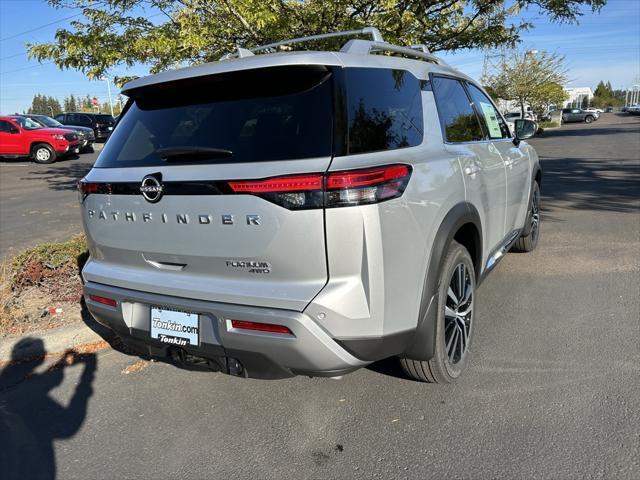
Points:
point(30, 419)
point(59, 177)
point(591, 184)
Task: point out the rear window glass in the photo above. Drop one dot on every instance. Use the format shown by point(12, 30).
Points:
point(280, 113)
point(384, 109)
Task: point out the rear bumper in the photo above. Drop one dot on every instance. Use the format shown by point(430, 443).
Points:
point(309, 351)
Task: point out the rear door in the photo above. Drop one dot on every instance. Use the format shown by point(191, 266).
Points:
point(483, 167)
point(515, 160)
point(221, 217)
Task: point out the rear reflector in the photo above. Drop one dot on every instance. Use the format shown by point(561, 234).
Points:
point(103, 300)
point(260, 327)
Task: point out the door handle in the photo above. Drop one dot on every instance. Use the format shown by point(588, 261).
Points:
point(472, 169)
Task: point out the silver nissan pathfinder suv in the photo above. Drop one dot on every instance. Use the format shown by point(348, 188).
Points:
point(300, 212)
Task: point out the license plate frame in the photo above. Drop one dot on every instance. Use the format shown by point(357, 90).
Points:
point(174, 327)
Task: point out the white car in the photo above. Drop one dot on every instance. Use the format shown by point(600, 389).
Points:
point(596, 111)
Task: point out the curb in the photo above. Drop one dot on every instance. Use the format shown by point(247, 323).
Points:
point(30, 345)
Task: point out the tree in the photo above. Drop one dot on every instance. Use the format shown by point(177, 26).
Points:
point(44, 105)
point(530, 79)
point(127, 32)
point(545, 96)
point(70, 104)
point(605, 96)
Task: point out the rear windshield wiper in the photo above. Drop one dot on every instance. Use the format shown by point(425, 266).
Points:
point(171, 154)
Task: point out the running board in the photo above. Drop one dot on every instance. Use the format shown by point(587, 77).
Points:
point(499, 253)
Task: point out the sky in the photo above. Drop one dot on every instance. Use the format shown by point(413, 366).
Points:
point(604, 46)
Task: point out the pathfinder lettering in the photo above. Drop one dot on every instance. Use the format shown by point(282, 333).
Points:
point(180, 218)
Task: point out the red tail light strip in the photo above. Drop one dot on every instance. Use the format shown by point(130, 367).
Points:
point(366, 177)
point(297, 183)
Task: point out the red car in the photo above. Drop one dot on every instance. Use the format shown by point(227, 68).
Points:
point(22, 137)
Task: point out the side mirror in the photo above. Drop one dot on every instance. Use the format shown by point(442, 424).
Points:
point(525, 128)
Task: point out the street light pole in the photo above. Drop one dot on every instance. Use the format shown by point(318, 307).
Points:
point(106, 79)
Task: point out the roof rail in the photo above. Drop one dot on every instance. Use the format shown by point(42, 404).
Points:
point(243, 52)
point(374, 32)
point(357, 46)
point(366, 47)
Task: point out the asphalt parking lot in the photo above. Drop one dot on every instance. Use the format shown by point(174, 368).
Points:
point(39, 203)
point(553, 388)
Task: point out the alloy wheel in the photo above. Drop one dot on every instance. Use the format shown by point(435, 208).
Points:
point(458, 314)
point(535, 215)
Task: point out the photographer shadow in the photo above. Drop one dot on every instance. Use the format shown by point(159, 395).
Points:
point(30, 419)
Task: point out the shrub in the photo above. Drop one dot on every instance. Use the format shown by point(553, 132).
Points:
point(54, 266)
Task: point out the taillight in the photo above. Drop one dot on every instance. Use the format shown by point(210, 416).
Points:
point(103, 300)
point(335, 189)
point(260, 327)
point(365, 186)
point(86, 188)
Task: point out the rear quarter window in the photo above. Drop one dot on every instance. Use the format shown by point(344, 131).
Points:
point(384, 110)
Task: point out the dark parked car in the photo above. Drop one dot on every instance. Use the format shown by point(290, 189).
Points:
point(101, 123)
point(577, 115)
point(85, 134)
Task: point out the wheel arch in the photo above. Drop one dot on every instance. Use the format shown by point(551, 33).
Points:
point(40, 142)
point(462, 224)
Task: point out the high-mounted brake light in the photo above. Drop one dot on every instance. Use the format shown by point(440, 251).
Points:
point(103, 300)
point(260, 327)
point(335, 189)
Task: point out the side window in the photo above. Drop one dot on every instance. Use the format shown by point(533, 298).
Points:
point(384, 109)
point(5, 126)
point(60, 118)
point(457, 117)
point(493, 121)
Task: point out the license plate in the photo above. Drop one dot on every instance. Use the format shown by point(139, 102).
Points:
point(76, 150)
point(174, 327)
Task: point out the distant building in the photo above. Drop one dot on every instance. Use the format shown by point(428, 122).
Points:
point(577, 95)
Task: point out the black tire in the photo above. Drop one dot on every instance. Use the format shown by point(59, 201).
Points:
point(448, 363)
point(43, 153)
point(87, 149)
point(588, 119)
point(528, 241)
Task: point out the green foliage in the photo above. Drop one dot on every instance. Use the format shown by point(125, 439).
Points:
point(167, 33)
point(44, 105)
point(605, 96)
point(70, 104)
point(549, 124)
point(531, 79)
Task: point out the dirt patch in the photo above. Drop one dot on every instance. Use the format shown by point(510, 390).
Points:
point(41, 288)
